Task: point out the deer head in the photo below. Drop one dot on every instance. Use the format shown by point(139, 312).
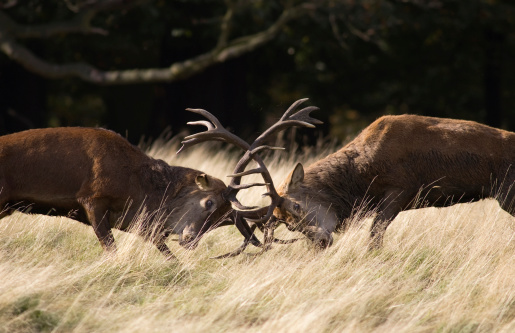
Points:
point(261, 217)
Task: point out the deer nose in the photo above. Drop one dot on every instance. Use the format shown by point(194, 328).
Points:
point(188, 241)
point(321, 238)
point(324, 242)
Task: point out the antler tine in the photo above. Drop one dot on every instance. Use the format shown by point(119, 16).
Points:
point(246, 173)
point(246, 186)
point(260, 148)
point(293, 107)
point(258, 215)
point(250, 239)
point(215, 131)
point(290, 118)
point(263, 218)
point(304, 116)
point(248, 233)
point(249, 212)
point(208, 115)
point(239, 172)
point(242, 208)
point(206, 123)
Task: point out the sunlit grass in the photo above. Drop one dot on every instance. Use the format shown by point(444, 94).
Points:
point(446, 270)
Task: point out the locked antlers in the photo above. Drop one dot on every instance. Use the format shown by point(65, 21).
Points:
point(262, 216)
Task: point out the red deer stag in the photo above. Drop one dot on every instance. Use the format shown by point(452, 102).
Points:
point(394, 161)
point(260, 217)
point(97, 177)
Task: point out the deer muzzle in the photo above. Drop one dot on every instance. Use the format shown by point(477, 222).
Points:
point(321, 238)
point(188, 241)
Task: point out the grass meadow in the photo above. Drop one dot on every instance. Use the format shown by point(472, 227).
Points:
point(440, 270)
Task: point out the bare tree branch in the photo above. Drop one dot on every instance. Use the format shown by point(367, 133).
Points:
point(102, 5)
point(336, 31)
point(177, 71)
point(80, 23)
point(74, 7)
point(225, 27)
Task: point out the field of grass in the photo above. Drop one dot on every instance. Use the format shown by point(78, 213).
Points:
point(441, 270)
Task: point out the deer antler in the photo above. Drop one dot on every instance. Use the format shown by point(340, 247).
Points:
point(291, 118)
point(215, 132)
point(263, 215)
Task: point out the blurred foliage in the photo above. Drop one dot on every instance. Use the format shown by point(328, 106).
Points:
point(356, 60)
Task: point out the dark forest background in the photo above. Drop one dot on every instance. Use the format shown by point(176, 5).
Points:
point(356, 60)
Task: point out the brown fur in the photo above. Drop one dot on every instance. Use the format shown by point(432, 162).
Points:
point(394, 161)
point(97, 177)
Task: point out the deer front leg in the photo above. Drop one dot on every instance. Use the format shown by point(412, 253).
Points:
point(381, 222)
point(159, 242)
point(388, 210)
point(98, 215)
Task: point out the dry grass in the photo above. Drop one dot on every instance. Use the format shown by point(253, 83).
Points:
point(445, 270)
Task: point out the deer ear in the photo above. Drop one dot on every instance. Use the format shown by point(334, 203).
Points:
point(203, 182)
point(296, 178)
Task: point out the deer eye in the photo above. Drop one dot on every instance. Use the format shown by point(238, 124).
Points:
point(208, 204)
point(296, 207)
